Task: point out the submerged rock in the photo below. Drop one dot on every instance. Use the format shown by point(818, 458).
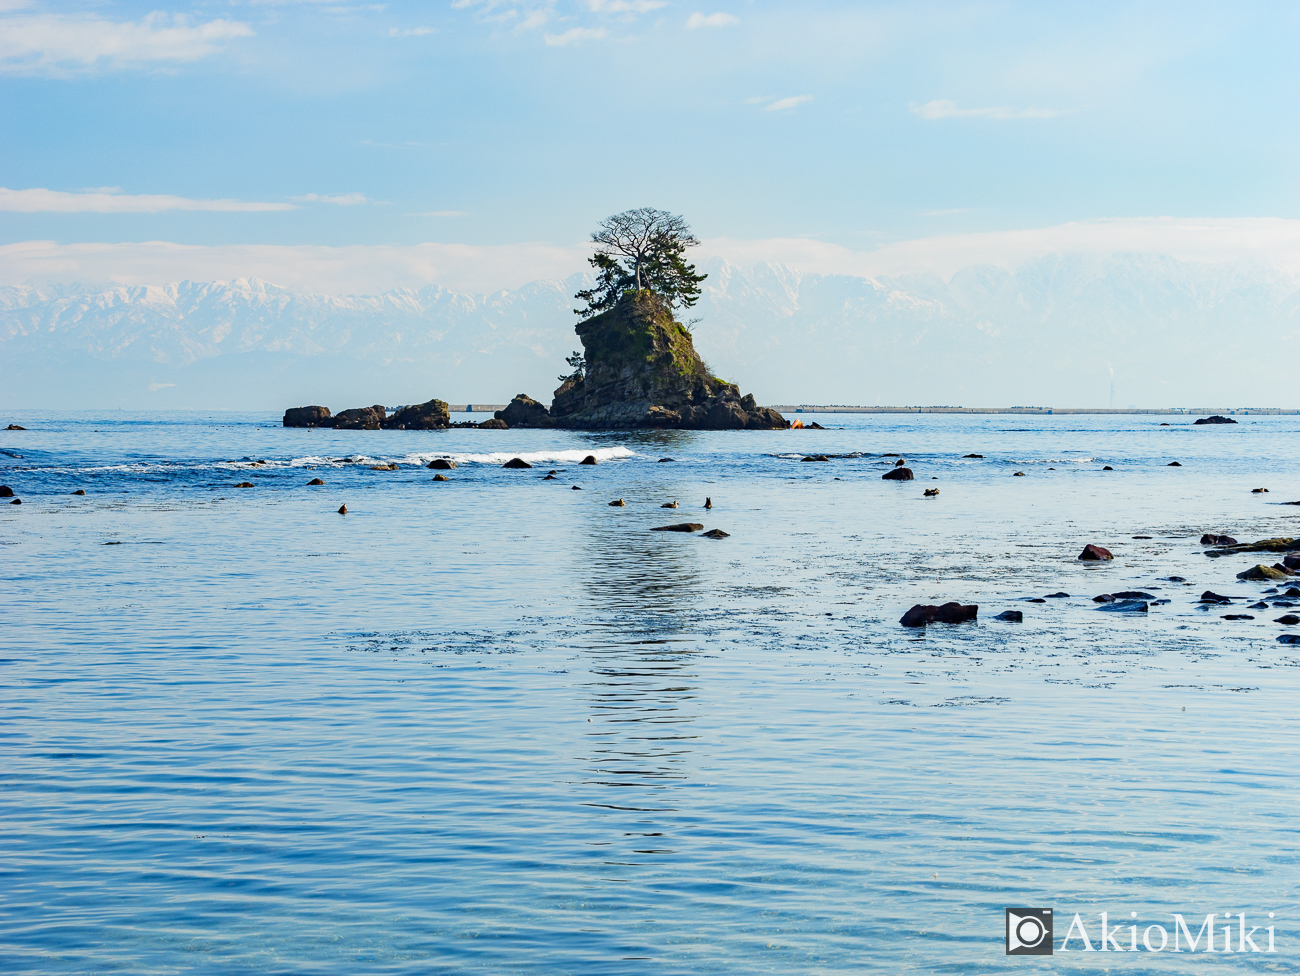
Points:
point(16, 501)
point(441, 464)
point(244, 484)
point(308, 417)
point(361, 418)
point(642, 370)
point(898, 474)
point(1216, 419)
point(1209, 596)
point(315, 481)
point(1125, 606)
point(1289, 619)
point(679, 527)
point(1288, 638)
point(1093, 553)
point(981, 457)
point(947, 613)
point(80, 491)
point(1174, 464)
point(589, 459)
point(430, 415)
point(524, 411)
point(716, 534)
point(815, 457)
point(493, 423)
point(1011, 616)
point(518, 463)
point(6, 491)
point(1238, 616)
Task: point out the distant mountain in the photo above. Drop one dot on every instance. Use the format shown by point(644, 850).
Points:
point(1048, 333)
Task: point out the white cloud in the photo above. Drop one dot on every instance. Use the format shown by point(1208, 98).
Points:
point(155, 387)
point(781, 104)
point(108, 200)
point(411, 31)
point(697, 20)
point(49, 43)
point(575, 35)
point(338, 199)
point(371, 269)
point(943, 108)
point(624, 6)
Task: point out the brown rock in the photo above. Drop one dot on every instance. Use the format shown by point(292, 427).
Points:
point(816, 457)
point(898, 474)
point(495, 423)
point(440, 477)
point(315, 481)
point(1095, 553)
point(948, 613)
point(589, 459)
point(524, 411)
point(244, 484)
point(361, 418)
point(679, 527)
point(80, 491)
point(6, 491)
point(308, 417)
point(716, 534)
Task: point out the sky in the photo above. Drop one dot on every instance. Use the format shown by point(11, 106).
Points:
point(478, 142)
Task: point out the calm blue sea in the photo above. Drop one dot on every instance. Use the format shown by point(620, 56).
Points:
point(494, 725)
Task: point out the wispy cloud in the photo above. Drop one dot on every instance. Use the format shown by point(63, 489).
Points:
point(439, 213)
point(624, 6)
point(411, 31)
point(943, 108)
point(110, 200)
point(576, 35)
point(697, 20)
point(50, 43)
point(781, 104)
point(338, 199)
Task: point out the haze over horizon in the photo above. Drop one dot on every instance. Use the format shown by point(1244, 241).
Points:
point(337, 150)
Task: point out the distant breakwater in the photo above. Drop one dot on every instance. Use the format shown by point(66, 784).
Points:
point(1163, 412)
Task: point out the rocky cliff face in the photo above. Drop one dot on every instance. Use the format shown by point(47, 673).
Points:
point(642, 370)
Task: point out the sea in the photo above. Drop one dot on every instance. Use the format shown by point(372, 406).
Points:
point(495, 724)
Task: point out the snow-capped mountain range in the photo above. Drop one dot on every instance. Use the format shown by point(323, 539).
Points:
point(1055, 332)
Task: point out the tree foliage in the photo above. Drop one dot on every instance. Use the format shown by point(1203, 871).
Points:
point(642, 248)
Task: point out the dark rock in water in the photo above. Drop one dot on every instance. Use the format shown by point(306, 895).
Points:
point(1125, 606)
point(308, 417)
point(1174, 464)
point(430, 415)
point(6, 491)
point(1290, 619)
point(494, 423)
point(1107, 468)
point(552, 471)
point(1291, 591)
point(1093, 553)
point(948, 613)
point(1288, 638)
point(1291, 562)
point(679, 527)
point(315, 481)
point(550, 477)
point(1160, 603)
point(981, 456)
point(1018, 474)
point(343, 510)
point(618, 503)
point(1283, 568)
point(524, 411)
point(577, 488)
point(15, 427)
point(440, 477)
point(642, 370)
point(1133, 595)
point(361, 418)
point(815, 457)
point(1058, 596)
point(1012, 616)
point(1261, 605)
point(814, 426)
point(1034, 599)
point(1174, 579)
point(1104, 598)
point(1237, 616)
point(1262, 573)
point(80, 491)
point(890, 454)
point(1217, 540)
point(665, 460)
point(16, 501)
point(1216, 419)
point(1209, 596)
point(244, 484)
point(589, 459)
point(716, 534)
point(387, 466)
point(898, 474)
point(441, 464)
point(518, 463)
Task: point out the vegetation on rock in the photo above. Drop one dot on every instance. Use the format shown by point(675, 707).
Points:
point(642, 249)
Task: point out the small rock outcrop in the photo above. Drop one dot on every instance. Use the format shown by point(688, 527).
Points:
point(948, 613)
point(518, 463)
point(524, 411)
point(361, 418)
point(1210, 539)
point(1216, 419)
point(1263, 573)
point(1011, 616)
point(679, 527)
point(1093, 553)
point(315, 481)
point(493, 423)
point(6, 491)
point(716, 534)
point(642, 370)
point(308, 417)
point(441, 464)
point(430, 415)
point(898, 474)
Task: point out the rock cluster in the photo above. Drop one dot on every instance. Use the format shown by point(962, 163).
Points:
point(430, 415)
point(524, 411)
point(642, 370)
point(948, 613)
point(1216, 419)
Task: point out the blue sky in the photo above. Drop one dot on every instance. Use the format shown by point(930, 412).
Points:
point(492, 124)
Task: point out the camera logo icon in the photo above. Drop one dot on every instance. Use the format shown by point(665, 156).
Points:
point(1029, 931)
